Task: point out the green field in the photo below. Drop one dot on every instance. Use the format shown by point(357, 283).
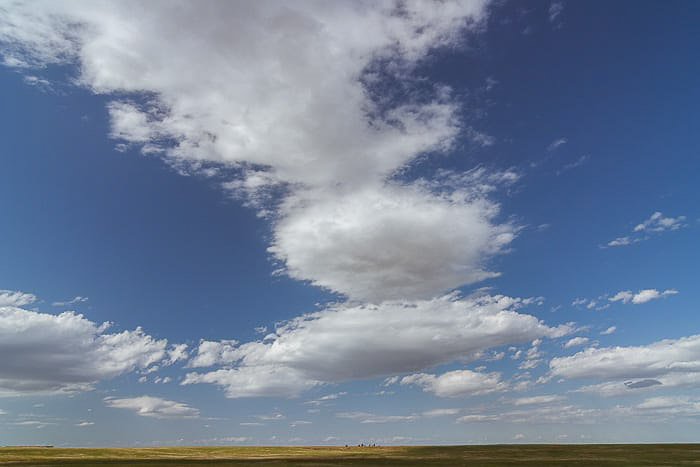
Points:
point(532, 455)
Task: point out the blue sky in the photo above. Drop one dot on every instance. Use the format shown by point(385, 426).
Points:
point(341, 223)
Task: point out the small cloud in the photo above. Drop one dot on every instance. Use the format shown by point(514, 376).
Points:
point(655, 224)
point(658, 223)
point(554, 145)
point(16, 298)
point(519, 436)
point(645, 383)
point(610, 330)
point(85, 424)
point(73, 301)
point(149, 406)
point(577, 163)
point(643, 296)
point(554, 12)
point(575, 342)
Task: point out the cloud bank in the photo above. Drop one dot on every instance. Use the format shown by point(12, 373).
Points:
point(280, 101)
point(65, 353)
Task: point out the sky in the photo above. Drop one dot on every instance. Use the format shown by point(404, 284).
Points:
point(309, 223)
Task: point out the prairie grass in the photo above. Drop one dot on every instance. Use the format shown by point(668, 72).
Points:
point(492, 455)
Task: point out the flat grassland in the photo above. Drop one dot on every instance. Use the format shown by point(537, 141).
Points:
point(493, 455)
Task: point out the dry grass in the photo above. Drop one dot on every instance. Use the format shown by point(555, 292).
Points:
point(531, 455)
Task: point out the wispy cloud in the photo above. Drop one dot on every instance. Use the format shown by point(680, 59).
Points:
point(643, 296)
point(655, 224)
point(77, 299)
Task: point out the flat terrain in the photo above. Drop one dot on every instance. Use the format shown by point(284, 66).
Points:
point(530, 455)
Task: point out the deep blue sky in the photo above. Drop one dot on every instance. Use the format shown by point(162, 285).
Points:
point(615, 83)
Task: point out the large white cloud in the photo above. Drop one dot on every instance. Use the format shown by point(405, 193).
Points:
point(44, 353)
point(347, 342)
point(397, 242)
point(283, 93)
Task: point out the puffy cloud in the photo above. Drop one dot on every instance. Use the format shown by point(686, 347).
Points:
point(64, 353)
point(16, 298)
point(609, 330)
point(284, 96)
point(347, 341)
point(211, 353)
point(457, 383)
point(656, 360)
point(149, 406)
point(390, 243)
point(643, 296)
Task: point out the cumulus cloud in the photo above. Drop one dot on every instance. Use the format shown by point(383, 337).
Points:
point(65, 353)
point(458, 383)
point(347, 341)
point(390, 243)
point(609, 330)
point(671, 362)
point(656, 223)
point(149, 406)
point(16, 298)
point(284, 96)
point(643, 296)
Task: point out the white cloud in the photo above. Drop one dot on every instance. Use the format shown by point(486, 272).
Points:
point(149, 406)
point(440, 412)
point(545, 399)
point(656, 360)
point(64, 353)
point(347, 341)
point(655, 224)
point(556, 143)
point(643, 296)
point(211, 353)
point(389, 243)
point(556, 413)
point(458, 383)
point(364, 417)
point(282, 93)
point(609, 330)
point(572, 165)
point(77, 299)
point(658, 223)
point(576, 341)
point(555, 10)
point(16, 298)
point(84, 424)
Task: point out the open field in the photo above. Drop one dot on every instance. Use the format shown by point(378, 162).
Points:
point(532, 455)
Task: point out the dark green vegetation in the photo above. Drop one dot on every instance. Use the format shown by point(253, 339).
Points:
point(530, 455)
